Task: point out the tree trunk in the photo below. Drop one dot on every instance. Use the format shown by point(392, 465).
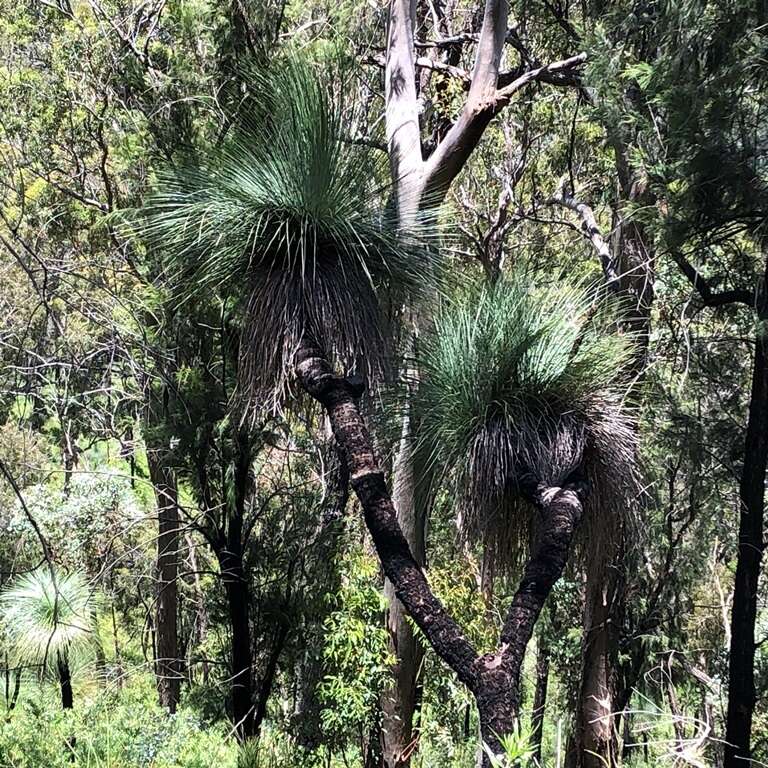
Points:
point(741, 667)
point(605, 598)
point(540, 700)
point(398, 700)
point(166, 604)
point(65, 681)
point(238, 604)
point(596, 737)
point(493, 678)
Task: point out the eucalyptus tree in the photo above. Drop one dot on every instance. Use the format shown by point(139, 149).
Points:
point(49, 617)
point(426, 156)
point(701, 90)
point(286, 217)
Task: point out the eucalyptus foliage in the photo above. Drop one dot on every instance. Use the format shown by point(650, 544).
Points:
point(286, 215)
point(523, 381)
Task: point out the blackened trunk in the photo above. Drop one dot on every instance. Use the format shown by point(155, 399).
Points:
point(741, 669)
point(241, 680)
point(540, 699)
point(65, 681)
point(493, 678)
point(167, 664)
point(498, 695)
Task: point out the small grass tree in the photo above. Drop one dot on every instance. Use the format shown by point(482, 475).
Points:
point(49, 618)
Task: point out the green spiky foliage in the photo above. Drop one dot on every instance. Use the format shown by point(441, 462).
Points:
point(286, 215)
point(46, 615)
point(523, 381)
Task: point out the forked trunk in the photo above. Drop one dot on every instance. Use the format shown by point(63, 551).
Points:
point(493, 678)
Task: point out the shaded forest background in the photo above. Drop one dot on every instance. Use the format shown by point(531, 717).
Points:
point(190, 582)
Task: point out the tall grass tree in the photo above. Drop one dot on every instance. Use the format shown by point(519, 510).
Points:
point(287, 217)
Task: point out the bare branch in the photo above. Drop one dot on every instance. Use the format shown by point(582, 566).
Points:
point(593, 233)
point(702, 286)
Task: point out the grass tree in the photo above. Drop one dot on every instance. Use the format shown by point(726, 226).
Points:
point(49, 619)
point(286, 217)
point(523, 416)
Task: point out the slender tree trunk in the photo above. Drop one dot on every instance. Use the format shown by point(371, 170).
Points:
point(399, 700)
point(741, 668)
point(166, 603)
point(65, 681)
point(605, 598)
point(597, 742)
point(540, 699)
point(493, 678)
point(241, 680)
point(201, 611)
point(268, 676)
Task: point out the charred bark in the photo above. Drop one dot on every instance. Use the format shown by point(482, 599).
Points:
point(493, 678)
point(65, 681)
point(167, 662)
point(238, 605)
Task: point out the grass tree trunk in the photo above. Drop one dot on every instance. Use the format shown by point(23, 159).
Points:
point(741, 668)
point(166, 604)
point(65, 681)
point(493, 678)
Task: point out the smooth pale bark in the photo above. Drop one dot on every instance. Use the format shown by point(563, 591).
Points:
point(494, 678)
point(400, 699)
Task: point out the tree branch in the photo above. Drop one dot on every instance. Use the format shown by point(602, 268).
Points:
point(593, 233)
point(702, 286)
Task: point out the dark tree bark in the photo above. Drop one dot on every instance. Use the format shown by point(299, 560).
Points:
point(238, 605)
point(741, 667)
point(495, 677)
point(166, 605)
point(65, 681)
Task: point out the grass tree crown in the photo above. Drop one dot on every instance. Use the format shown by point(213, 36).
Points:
point(526, 382)
point(287, 214)
point(48, 614)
